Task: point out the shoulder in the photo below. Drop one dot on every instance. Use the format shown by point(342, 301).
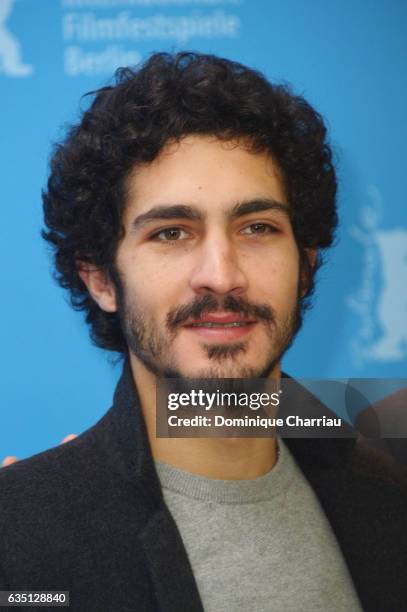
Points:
point(54, 507)
point(348, 473)
point(57, 478)
point(70, 518)
point(377, 463)
point(369, 486)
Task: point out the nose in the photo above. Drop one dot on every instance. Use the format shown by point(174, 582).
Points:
point(218, 269)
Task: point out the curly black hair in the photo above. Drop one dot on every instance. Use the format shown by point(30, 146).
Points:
point(168, 97)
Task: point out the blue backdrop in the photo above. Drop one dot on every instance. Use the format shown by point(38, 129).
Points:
point(347, 57)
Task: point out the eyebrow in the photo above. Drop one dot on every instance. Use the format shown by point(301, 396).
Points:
point(163, 213)
point(191, 213)
point(258, 205)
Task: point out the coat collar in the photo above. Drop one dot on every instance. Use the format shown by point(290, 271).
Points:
point(169, 567)
point(131, 430)
point(316, 452)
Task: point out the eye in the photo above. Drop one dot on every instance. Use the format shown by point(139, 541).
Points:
point(258, 228)
point(170, 234)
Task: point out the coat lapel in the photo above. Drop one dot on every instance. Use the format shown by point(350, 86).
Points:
point(171, 573)
point(165, 556)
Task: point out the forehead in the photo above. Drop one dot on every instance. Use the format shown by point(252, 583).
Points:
point(206, 173)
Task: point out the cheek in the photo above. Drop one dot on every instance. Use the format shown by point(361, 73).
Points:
point(277, 272)
point(157, 287)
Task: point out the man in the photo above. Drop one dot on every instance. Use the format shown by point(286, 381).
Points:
point(187, 212)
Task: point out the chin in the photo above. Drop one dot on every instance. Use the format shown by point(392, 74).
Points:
point(227, 368)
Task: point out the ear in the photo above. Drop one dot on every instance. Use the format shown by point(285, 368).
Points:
point(307, 267)
point(99, 286)
point(312, 256)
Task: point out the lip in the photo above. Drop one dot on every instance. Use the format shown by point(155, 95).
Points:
point(221, 334)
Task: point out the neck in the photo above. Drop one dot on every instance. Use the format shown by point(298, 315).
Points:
point(220, 458)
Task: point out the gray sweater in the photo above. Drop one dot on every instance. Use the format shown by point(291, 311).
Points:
point(263, 544)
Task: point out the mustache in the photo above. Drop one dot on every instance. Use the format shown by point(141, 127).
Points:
point(208, 303)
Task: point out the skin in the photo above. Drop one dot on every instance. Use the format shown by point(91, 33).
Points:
point(231, 238)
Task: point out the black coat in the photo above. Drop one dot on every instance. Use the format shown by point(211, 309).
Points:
point(89, 517)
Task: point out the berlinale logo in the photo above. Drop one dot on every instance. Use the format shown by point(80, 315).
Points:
point(381, 301)
point(11, 63)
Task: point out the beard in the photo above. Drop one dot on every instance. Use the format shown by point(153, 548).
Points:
point(153, 346)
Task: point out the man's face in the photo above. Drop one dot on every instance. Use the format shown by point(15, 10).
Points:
point(208, 266)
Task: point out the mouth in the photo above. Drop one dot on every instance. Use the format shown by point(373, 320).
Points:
point(220, 327)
